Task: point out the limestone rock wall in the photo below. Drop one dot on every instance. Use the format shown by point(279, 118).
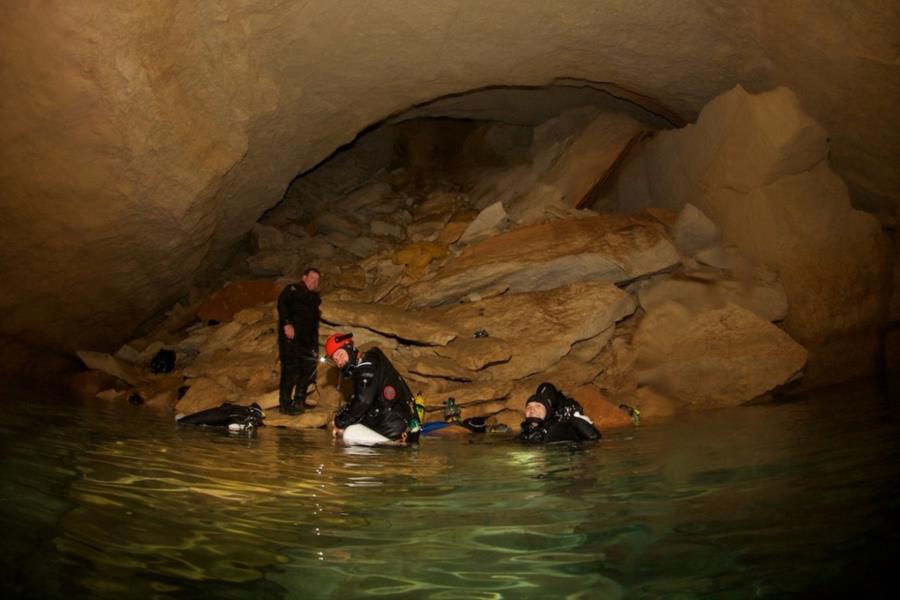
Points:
point(140, 141)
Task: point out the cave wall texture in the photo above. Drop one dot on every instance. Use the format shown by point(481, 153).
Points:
point(140, 141)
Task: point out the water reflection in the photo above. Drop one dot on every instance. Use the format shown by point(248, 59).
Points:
point(117, 501)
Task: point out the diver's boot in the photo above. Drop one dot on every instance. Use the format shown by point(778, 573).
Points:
point(290, 408)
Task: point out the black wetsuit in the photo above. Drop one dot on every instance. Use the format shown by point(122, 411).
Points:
point(297, 306)
point(381, 400)
point(567, 423)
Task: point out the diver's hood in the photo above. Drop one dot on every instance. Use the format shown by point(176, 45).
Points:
point(546, 394)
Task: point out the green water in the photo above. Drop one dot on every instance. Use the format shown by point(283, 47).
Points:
point(765, 501)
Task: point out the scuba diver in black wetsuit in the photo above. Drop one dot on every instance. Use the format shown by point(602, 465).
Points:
point(298, 340)
point(381, 400)
point(550, 417)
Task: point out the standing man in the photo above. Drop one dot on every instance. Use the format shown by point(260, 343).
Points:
point(381, 399)
point(298, 340)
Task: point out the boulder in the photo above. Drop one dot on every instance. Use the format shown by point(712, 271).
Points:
point(693, 231)
point(475, 353)
point(576, 162)
point(489, 221)
point(203, 393)
point(613, 248)
point(540, 326)
point(757, 166)
point(417, 256)
point(388, 320)
point(762, 295)
point(713, 358)
point(221, 336)
point(431, 365)
point(587, 350)
point(604, 412)
point(88, 384)
point(265, 238)
point(384, 228)
point(223, 304)
point(100, 361)
point(251, 315)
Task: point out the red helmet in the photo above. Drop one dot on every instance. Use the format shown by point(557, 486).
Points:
point(337, 341)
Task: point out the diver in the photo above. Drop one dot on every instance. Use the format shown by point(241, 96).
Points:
point(551, 416)
point(381, 400)
point(232, 416)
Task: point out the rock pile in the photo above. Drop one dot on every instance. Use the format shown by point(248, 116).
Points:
point(481, 300)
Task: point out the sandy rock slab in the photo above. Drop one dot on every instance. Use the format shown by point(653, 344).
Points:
point(713, 358)
point(611, 248)
point(235, 297)
point(540, 326)
point(760, 292)
point(388, 320)
point(309, 419)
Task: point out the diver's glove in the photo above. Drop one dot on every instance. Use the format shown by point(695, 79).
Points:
point(342, 416)
point(532, 429)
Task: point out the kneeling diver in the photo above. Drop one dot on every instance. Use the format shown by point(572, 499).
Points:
point(381, 400)
point(550, 416)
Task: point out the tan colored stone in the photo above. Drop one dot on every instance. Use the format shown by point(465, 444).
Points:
point(611, 248)
point(617, 368)
point(758, 294)
point(758, 167)
point(250, 315)
point(220, 337)
point(692, 231)
point(603, 411)
point(388, 320)
point(512, 418)
point(203, 393)
point(653, 406)
point(587, 350)
point(580, 160)
point(490, 221)
point(266, 401)
point(664, 216)
point(714, 358)
point(437, 366)
point(417, 256)
point(452, 232)
point(475, 353)
point(88, 384)
point(541, 326)
point(225, 303)
point(99, 361)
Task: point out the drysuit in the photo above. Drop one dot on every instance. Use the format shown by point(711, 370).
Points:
point(381, 400)
point(565, 420)
point(299, 307)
